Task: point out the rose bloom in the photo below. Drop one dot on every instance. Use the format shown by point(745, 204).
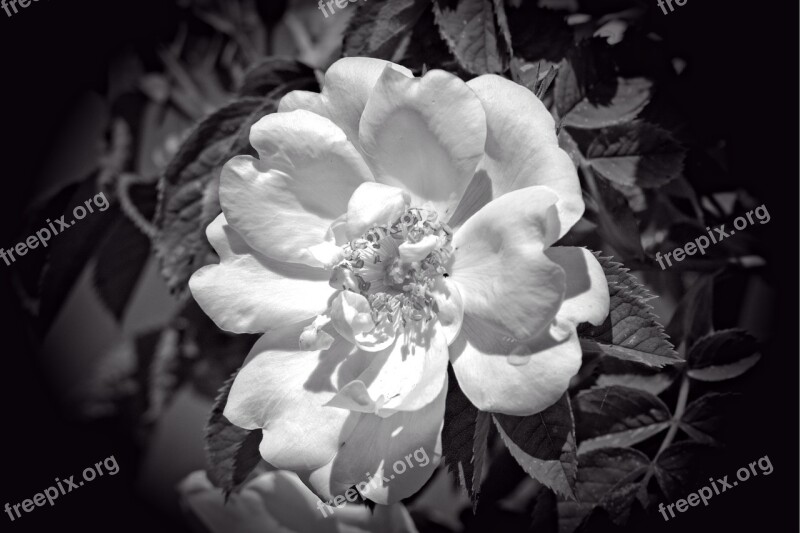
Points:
point(390, 225)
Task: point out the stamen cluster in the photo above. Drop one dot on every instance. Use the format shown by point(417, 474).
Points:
point(385, 266)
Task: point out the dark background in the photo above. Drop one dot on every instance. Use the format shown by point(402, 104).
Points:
point(744, 83)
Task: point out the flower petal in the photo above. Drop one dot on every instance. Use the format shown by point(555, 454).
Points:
point(283, 390)
point(449, 308)
point(425, 135)
point(504, 376)
point(374, 204)
point(286, 202)
point(250, 293)
point(522, 148)
point(500, 268)
point(350, 315)
point(374, 450)
point(586, 298)
point(403, 377)
point(348, 84)
point(417, 251)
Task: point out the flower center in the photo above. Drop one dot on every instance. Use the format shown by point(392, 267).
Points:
point(395, 266)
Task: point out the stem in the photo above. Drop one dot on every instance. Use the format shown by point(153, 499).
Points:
point(129, 208)
point(680, 407)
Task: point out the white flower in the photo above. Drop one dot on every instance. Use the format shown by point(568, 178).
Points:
point(389, 225)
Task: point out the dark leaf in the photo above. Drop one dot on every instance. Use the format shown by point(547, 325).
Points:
point(544, 518)
point(231, 452)
point(189, 201)
point(544, 85)
point(124, 254)
point(464, 438)
point(427, 50)
point(506, 46)
point(704, 417)
point(383, 29)
point(634, 355)
point(723, 355)
point(629, 98)
point(586, 74)
point(544, 445)
point(51, 208)
point(273, 73)
point(634, 153)
point(539, 33)
point(469, 27)
point(616, 222)
point(630, 332)
point(480, 441)
point(217, 353)
point(71, 249)
point(618, 417)
point(534, 76)
point(693, 316)
point(680, 464)
point(167, 371)
point(652, 383)
point(607, 479)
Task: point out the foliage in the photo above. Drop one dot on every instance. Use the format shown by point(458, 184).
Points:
point(620, 425)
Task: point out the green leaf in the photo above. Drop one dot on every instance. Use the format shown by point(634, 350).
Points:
point(677, 466)
point(383, 29)
point(470, 29)
point(705, 416)
point(544, 445)
point(189, 196)
point(273, 73)
point(231, 452)
point(124, 254)
point(630, 332)
point(607, 479)
point(634, 153)
point(464, 438)
point(618, 417)
point(723, 355)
